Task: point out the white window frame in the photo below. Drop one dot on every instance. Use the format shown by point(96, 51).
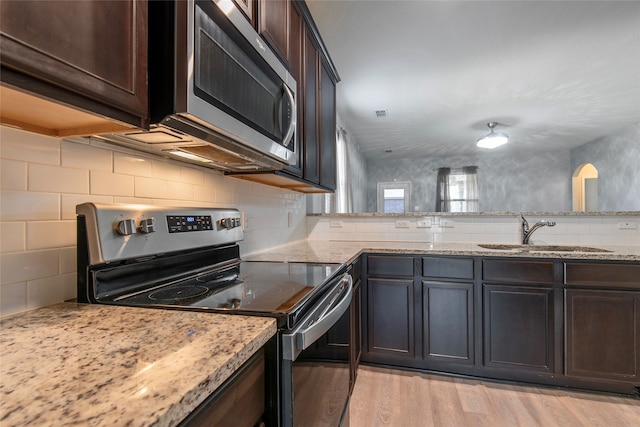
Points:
point(404, 185)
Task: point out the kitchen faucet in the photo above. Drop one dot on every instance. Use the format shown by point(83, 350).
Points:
point(527, 232)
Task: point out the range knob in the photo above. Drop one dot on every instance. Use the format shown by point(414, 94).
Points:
point(148, 225)
point(229, 222)
point(126, 227)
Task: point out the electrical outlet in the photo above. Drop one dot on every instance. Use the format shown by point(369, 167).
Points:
point(446, 223)
point(627, 225)
point(402, 223)
point(423, 223)
point(335, 223)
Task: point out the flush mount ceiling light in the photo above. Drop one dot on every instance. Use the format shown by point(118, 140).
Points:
point(492, 139)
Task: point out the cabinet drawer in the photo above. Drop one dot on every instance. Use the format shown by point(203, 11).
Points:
point(393, 266)
point(517, 271)
point(447, 267)
point(590, 274)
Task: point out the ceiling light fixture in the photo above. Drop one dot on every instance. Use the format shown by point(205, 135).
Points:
point(492, 139)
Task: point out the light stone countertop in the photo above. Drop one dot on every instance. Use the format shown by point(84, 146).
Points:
point(99, 365)
point(348, 251)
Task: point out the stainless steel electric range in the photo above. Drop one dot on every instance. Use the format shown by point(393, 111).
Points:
point(189, 259)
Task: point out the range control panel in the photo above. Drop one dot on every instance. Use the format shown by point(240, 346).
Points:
point(118, 231)
point(186, 223)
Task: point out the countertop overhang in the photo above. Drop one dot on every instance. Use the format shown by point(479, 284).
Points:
point(105, 365)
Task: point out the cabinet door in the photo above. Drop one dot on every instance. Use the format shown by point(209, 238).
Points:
point(273, 25)
point(518, 328)
point(601, 332)
point(327, 130)
point(94, 50)
point(311, 170)
point(246, 7)
point(448, 322)
point(296, 51)
point(390, 317)
point(356, 330)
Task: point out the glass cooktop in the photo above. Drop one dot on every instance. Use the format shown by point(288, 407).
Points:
point(252, 286)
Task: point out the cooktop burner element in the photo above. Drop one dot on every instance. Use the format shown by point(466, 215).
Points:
point(178, 293)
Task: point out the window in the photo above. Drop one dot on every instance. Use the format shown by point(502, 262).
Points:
point(394, 197)
point(457, 190)
point(340, 201)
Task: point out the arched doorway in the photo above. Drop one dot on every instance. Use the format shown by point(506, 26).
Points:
point(585, 188)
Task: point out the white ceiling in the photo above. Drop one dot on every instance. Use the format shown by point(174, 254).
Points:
point(554, 74)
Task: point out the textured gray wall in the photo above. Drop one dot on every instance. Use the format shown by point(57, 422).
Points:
point(506, 182)
point(617, 158)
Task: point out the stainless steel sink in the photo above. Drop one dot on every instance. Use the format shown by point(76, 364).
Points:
point(541, 248)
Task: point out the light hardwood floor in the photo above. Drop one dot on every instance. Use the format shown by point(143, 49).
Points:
point(386, 397)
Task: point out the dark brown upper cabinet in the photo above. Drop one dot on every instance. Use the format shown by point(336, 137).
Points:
point(90, 56)
point(273, 25)
point(247, 8)
point(309, 142)
point(327, 121)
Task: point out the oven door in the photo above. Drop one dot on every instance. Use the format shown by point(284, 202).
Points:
point(316, 387)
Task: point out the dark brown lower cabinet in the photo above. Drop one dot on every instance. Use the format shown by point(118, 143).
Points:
point(518, 328)
point(545, 321)
point(240, 401)
point(356, 330)
point(390, 317)
point(448, 322)
point(602, 331)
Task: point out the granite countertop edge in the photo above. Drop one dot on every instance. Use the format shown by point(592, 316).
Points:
point(472, 214)
point(102, 365)
point(337, 251)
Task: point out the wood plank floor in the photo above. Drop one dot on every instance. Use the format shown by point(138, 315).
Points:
point(386, 397)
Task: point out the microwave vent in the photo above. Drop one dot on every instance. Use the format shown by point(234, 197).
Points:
point(156, 137)
point(216, 154)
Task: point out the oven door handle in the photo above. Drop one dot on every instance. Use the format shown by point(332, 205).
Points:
point(320, 320)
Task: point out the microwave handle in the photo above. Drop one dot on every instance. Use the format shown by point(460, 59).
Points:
point(292, 124)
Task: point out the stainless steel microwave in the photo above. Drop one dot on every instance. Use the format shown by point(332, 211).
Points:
point(219, 96)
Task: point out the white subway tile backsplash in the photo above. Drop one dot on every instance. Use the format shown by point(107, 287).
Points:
point(83, 156)
point(150, 187)
point(29, 206)
point(180, 190)
point(12, 236)
point(166, 171)
point(107, 183)
point(29, 147)
point(13, 175)
point(130, 164)
point(191, 176)
point(51, 290)
point(499, 229)
point(204, 194)
point(57, 179)
point(13, 298)
point(50, 234)
point(24, 266)
point(68, 260)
